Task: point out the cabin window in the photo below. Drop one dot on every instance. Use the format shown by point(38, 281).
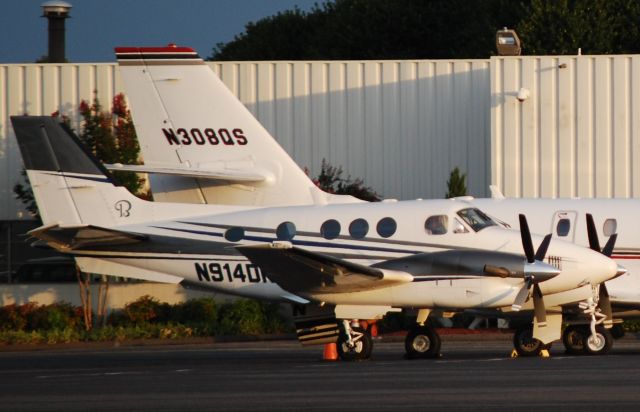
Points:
point(436, 225)
point(610, 227)
point(476, 218)
point(386, 227)
point(563, 227)
point(234, 234)
point(286, 231)
point(458, 227)
point(359, 228)
point(330, 229)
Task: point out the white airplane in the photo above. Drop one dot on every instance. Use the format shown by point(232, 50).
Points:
point(345, 261)
point(568, 219)
point(202, 163)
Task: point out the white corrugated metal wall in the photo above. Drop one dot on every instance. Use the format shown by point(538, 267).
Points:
point(578, 134)
point(399, 125)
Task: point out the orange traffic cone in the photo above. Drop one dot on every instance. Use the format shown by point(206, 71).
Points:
point(330, 352)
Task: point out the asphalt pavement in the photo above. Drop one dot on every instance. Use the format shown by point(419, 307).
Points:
point(473, 374)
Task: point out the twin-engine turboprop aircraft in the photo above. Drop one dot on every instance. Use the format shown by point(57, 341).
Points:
point(351, 260)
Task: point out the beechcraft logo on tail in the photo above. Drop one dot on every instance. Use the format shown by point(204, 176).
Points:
point(209, 136)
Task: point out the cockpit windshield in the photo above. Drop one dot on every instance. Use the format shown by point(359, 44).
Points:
point(476, 218)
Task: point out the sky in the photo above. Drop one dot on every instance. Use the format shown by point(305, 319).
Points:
point(97, 26)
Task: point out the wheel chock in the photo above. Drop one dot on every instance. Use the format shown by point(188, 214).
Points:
point(514, 353)
point(330, 352)
point(544, 353)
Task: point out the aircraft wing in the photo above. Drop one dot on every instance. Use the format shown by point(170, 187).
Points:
point(76, 237)
point(233, 175)
point(301, 271)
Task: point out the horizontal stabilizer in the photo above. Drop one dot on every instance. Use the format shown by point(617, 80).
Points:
point(78, 237)
point(301, 271)
point(232, 175)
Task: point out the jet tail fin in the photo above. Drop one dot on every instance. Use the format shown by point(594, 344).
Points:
point(185, 116)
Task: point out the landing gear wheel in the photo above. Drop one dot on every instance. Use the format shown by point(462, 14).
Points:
point(422, 342)
point(361, 348)
point(617, 331)
point(573, 340)
point(599, 344)
point(526, 345)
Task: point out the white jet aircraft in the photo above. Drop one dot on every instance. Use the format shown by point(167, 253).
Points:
point(170, 88)
point(350, 261)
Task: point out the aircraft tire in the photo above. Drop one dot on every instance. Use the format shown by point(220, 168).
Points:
point(362, 349)
point(599, 345)
point(422, 342)
point(617, 331)
point(573, 339)
point(526, 345)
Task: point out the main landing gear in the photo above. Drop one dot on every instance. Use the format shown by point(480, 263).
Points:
point(354, 343)
point(422, 342)
point(526, 345)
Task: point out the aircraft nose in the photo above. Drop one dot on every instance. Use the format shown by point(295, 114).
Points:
point(603, 268)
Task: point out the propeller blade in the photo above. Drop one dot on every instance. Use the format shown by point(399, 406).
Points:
point(604, 303)
point(607, 250)
point(527, 243)
point(542, 249)
point(539, 310)
point(594, 243)
point(522, 295)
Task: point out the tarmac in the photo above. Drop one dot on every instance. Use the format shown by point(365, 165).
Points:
point(475, 372)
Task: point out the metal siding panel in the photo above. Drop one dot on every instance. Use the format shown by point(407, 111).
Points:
point(426, 104)
point(337, 115)
point(548, 128)
point(373, 126)
point(584, 127)
point(621, 170)
point(390, 129)
point(68, 103)
point(283, 106)
point(50, 89)
point(355, 140)
point(320, 114)
point(444, 102)
point(528, 175)
point(33, 90)
point(302, 114)
point(459, 148)
point(603, 127)
point(497, 131)
point(104, 85)
point(511, 122)
point(634, 114)
point(566, 128)
point(479, 143)
point(248, 93)
point(265, 93)
point(409, 155)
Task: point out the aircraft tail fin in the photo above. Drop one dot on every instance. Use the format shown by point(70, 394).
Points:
point(187, 118)
point(65, 177)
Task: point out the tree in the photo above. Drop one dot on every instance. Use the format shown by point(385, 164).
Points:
point(595, 26)
point(376, 29)
point(331, 181)
point(456, 185)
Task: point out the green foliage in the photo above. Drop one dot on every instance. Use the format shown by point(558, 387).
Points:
point(23, 192)
point(456, 185)
point(111, 137)
point(330, 180)
point(145, 318)
point(376, 29)
point(437, 29)
point(596, 26)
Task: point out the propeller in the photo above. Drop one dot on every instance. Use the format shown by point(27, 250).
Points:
point(594, 242)
point(535, 270)
point(604, 302)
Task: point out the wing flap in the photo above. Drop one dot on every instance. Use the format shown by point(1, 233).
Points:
point(77, 237)
point(301, 271)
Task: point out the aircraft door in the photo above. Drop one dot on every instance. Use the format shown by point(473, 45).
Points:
point(564, 225)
